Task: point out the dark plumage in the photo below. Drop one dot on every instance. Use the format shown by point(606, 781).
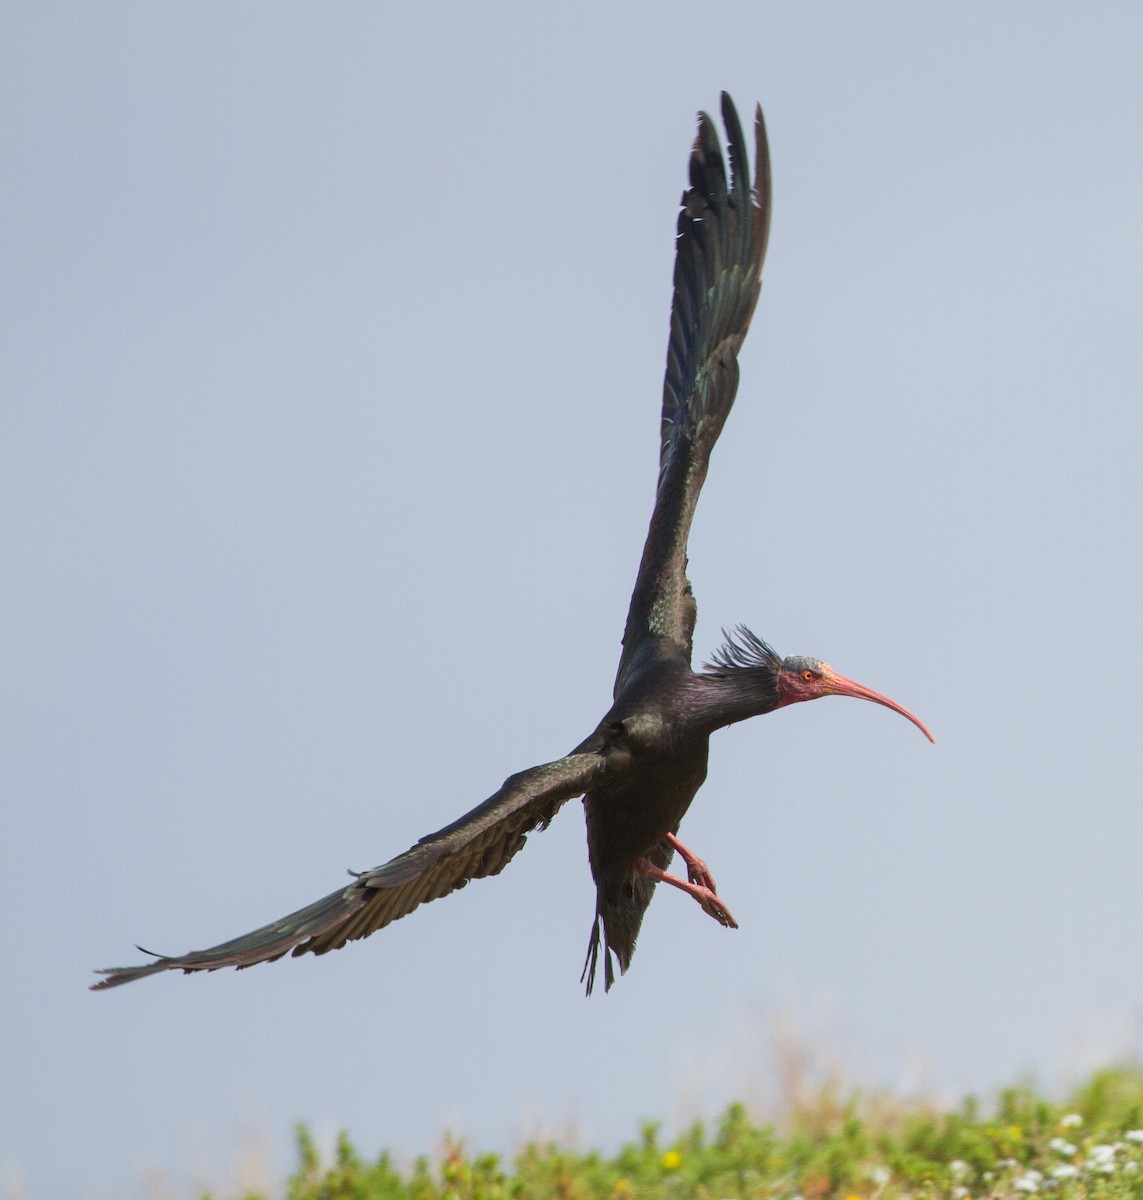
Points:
point(641, 767)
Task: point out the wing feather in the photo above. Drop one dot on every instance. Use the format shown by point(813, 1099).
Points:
point(478, 844)
point(722, 232)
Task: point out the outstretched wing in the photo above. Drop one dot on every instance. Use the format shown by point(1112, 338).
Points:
point(479, 844)
point(718, 272)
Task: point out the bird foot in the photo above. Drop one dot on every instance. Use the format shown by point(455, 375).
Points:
point(706, 897)
point(697, 870)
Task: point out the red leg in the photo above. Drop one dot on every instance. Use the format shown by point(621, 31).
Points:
point(697, 871)
point(708, 901)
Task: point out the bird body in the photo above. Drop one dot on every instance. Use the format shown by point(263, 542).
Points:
point(662, 759)
point(641, 767)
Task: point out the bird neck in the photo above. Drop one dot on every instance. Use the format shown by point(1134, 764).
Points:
point(727, 695)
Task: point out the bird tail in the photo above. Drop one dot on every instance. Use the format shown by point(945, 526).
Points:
point(617, 922)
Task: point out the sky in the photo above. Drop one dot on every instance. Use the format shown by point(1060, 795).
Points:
point(332, 349)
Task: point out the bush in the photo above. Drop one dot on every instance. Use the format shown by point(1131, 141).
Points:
point(1089, 1148)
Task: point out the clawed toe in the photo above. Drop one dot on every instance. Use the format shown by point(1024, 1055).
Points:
point(701, 875)
point(714, 907)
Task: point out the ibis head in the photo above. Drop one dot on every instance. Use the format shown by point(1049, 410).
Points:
point(801, 678)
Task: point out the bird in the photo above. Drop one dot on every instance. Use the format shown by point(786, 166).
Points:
point(641, 767)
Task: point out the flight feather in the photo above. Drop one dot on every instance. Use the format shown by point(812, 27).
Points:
point(723, 227)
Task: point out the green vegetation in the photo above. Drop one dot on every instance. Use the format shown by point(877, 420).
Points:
point(826, 1148)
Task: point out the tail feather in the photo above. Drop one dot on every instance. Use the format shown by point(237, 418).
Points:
point(618, 919)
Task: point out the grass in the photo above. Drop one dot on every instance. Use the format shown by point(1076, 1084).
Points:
point(827, 1147)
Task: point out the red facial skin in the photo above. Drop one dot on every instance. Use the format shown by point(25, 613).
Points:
point(807, 679)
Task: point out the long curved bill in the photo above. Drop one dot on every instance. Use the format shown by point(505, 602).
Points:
point(840, 686)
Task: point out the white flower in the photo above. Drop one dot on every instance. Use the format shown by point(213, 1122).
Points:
point(1134, 1135)
point(1026, 1183)
point(1062, 1146)
point(880, 1175)
point(1065, 1171)
point(1102, 1159)
point(959, 1192)
point(1071, 1121)
point(1131, 1166)
point(957, 1168)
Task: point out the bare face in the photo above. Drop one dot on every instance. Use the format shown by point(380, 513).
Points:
point(802, 678)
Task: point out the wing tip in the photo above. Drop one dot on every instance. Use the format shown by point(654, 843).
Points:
point(116, 976)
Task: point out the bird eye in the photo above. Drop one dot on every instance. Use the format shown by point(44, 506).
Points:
point(809, 676)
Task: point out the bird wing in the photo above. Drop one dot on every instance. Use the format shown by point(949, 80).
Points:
point(478, 844)
point(722, 234)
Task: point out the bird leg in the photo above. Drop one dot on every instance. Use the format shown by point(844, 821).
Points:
point(697, 871)
point(707, 899)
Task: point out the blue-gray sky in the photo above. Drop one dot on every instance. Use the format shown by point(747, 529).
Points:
point(332, 354)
